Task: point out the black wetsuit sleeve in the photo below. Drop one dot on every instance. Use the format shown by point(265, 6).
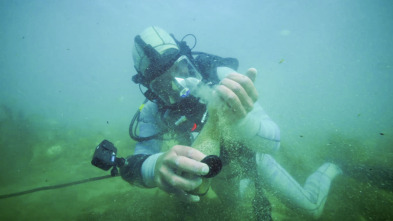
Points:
point(131, 171)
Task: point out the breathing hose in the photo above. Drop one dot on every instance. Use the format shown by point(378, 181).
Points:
point(54, 187)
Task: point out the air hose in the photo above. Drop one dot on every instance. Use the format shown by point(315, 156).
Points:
point(54, 186)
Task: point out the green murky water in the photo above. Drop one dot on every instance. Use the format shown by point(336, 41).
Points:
point(41, 153)
point(324, 76)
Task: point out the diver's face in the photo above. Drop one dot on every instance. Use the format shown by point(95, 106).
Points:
point(167, 86)
point(180, 70)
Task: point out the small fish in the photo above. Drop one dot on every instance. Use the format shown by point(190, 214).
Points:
point(381, 134)
point(107, 122)
point(281, 61)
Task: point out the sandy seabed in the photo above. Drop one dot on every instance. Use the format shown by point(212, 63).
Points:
point(38, 152)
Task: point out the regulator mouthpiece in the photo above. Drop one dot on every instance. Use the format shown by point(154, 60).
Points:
point(188, 84)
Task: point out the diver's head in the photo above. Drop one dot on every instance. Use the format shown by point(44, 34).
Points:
point(163, 66)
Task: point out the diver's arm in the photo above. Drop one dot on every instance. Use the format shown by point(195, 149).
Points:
point(139, 167)
point(237, 91)
point(131, 171)
point(254, 127)
point(149, 167)
point(258, 132)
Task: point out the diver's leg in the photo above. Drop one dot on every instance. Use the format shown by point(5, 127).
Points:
point(311, 197)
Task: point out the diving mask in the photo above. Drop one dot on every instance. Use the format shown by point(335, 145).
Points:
point(178, 82)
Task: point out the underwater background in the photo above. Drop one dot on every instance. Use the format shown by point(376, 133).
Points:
point(325, 77)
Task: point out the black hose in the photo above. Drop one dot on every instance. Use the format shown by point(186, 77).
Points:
point(134, 126)
point(54, 186)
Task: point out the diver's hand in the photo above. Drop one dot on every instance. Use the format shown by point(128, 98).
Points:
point(179, 170)
point(239, 93)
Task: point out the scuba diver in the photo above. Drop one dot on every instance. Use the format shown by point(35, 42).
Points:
point(173, 114)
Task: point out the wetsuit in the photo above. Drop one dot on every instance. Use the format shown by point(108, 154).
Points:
point(139, 169)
